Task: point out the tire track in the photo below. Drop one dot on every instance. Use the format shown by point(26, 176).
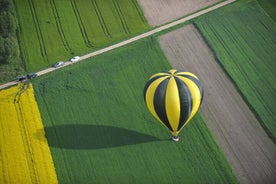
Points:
point(38, 29)
point(59, 26)
point(131, 40)
point(81, 25)
point(121, 16)
point(101, 19)
point(42, 90)
point(140, 13)
point(25, 134)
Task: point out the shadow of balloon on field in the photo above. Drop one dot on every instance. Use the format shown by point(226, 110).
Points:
point(93, 136)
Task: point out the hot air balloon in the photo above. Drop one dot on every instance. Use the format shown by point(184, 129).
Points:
point(173, 97)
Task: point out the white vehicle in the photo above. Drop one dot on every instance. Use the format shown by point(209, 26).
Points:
point(58, 64)
point(76, 58)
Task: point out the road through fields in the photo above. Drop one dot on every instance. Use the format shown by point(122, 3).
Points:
point(149, 33)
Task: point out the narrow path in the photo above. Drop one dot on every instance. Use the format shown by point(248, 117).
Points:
point(144, 35)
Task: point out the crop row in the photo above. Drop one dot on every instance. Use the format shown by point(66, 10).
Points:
point(55, 30)
point(244, 43)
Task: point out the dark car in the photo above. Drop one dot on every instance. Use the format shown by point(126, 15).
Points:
point(31, 75)
point(21, 78)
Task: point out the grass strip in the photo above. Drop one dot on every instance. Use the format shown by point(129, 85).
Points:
point(243, 39)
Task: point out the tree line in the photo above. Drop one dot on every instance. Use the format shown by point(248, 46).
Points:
point(9, 47)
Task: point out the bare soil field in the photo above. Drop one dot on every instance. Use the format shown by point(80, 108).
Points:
point(163, 11)
point(238, 133)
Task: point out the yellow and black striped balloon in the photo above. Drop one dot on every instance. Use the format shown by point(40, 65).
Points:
point(173, 97)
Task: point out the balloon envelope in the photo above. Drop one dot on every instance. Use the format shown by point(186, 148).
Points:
point(173, 97)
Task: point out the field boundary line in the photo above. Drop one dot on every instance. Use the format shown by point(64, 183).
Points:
point(131, 40)
point(140, 13)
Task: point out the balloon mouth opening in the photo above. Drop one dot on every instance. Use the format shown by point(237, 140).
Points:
point(175, 138)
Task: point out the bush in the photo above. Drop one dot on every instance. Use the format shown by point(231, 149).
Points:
point(8, 50)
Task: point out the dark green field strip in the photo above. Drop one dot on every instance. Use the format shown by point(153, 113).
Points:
point(270, 7)
point(244, 43)
point(100, 131)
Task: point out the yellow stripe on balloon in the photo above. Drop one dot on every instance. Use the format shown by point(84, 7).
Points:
point(160, 74)
point(172, 71)
point(150, 96)
point(172, 102)
point(186, 73)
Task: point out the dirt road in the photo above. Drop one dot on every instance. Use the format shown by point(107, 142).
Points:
point(247, 147)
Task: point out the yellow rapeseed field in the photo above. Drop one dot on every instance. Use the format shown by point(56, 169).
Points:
point(24, 152)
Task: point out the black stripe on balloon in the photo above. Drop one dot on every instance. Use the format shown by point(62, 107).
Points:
point(198, 84)
point(149, 83)
point(185, 102)
point(159, 102)
point(167, 72)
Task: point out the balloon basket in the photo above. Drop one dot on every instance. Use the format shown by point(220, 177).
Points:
point(175, 138)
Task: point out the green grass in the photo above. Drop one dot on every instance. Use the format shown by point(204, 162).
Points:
point(243, 38)
point(57, 30)
point(100, 131)
point(270, 7)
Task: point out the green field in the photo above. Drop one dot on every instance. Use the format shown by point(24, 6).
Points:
point(270, 7)
point(100, 131)
point(243, 38)
point(57, 30)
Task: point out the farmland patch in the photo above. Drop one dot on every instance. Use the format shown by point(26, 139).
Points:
point(250, 152)
point(24, 153)
point(163, 11)
point(99, 128)
point(57, 30)
point(245, 43)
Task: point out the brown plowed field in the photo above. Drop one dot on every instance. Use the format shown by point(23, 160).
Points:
point(159, 12)
point(248, 149)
